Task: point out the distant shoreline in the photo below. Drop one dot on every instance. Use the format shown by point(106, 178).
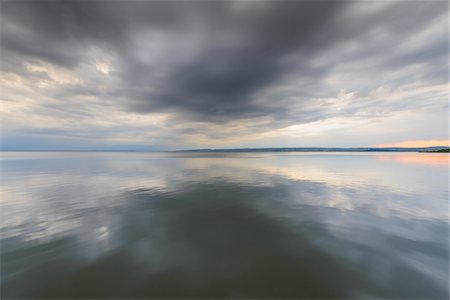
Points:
point(434, 149)
point(437, 151)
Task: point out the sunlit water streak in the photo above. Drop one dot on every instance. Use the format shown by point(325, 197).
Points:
point(224, 225)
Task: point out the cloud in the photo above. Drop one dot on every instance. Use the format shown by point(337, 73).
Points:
point(218, 68)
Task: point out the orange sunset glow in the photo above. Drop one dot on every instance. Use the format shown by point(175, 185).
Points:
point(433, 159)
point(417, 143)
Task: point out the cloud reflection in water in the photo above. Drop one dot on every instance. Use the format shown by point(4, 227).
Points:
point(273, 225)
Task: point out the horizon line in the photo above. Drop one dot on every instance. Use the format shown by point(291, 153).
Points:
point(243, 149)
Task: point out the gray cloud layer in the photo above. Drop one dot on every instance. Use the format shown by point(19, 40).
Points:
point(222, 61)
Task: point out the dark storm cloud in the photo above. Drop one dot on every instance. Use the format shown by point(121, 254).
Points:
point(215, 60)
point(242, 52)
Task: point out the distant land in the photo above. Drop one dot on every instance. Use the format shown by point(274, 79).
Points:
point(437, 151)
point(434, 149)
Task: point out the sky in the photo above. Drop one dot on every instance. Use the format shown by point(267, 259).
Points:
point(167, 75)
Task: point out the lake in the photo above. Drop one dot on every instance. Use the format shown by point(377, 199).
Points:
point(224, 225)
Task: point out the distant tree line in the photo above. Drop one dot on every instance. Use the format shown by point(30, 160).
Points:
point(447, 150)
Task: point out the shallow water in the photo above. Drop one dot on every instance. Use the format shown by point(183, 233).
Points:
point(224, 225)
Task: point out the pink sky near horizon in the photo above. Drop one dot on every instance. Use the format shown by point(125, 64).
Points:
point(417, 143)
point(430, 159)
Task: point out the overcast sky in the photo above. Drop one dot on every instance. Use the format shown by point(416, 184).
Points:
point(222, 74)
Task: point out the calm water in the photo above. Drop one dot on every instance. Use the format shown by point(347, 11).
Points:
point(224, 225)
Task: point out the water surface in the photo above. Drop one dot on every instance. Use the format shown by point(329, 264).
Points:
point(224, 225)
